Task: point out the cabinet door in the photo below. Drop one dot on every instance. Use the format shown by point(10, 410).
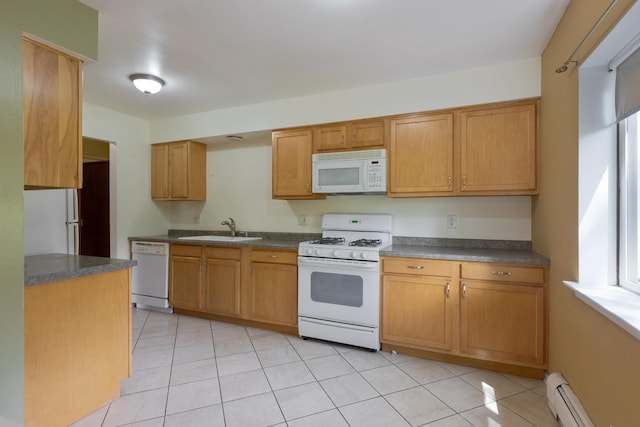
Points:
point(498, 150)
point(274, 293)
point(159, 171)
point(291, 164)
point(184, 282)
point(421, 155)
point(330, 138)
point(221, 286)
point(365, 135)
point(178, 156)
point(502, 322)
point(416, 311)
point(52, 111)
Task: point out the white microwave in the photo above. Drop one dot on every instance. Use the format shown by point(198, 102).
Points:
point(350, 172)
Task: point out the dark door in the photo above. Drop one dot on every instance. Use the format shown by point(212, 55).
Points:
point(93, 199)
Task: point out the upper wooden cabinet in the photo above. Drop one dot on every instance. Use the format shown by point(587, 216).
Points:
point(178, 171)
point(359, 135)
point(291, 164)
point(498, 150)
point(421, 155)
point(52, 93)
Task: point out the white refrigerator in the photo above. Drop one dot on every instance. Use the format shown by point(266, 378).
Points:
point(51, 222)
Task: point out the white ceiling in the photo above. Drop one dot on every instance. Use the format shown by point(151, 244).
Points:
point(223, 53)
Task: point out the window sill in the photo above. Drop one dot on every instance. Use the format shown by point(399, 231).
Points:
point(615, 303)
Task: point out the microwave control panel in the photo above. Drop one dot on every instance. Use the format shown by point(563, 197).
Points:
point(376, 175)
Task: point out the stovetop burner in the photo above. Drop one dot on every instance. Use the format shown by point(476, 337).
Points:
point(370, 243)
point(328, 241)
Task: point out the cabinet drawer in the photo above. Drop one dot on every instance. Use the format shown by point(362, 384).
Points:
point(186, 250)
point(502, 273)
point(423, 267)
point(274, 256)
point(222, 253)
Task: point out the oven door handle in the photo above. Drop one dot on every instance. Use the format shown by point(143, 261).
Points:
point(360, 265)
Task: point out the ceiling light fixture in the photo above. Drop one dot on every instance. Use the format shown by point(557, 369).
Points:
point(146, 83)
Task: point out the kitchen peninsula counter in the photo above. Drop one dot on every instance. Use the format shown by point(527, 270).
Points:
point(47, 268)
point(77, 335)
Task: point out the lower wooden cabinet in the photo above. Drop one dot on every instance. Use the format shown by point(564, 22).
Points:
point(483, 311)
point(205, 279)
point(273, 290)
point(221, 281)
point(256, 285)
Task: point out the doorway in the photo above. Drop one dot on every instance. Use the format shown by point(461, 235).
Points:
point(93, 200)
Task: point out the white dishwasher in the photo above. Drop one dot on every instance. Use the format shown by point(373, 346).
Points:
point(150, 278)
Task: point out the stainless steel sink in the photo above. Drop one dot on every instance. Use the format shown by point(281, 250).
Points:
point(212, 238)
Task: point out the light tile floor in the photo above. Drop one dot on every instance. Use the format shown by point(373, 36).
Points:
point(195, 372)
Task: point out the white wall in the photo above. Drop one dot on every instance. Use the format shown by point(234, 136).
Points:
point(239, 180)
point(45, 230)
point(130, 156)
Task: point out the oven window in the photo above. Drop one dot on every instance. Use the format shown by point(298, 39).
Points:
point(339, 176)
point(335, 288)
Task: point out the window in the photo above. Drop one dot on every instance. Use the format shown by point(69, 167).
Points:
point(629, 203)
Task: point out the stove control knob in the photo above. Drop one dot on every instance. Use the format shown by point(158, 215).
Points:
point(336, 254)
point(364, 255)
point(317, 252)
point(309, 251)
point(354, 254)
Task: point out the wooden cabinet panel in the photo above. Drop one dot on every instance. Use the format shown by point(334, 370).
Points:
point(274, 293)
point(291, 165)
point(418, 266)
point(274, 257)
point(367, 134)
point(178, 171)
point(502, 273)
point(498, 149)
point(52, 92)
point(184, 281)
point(330, 138)
point(416, 311)
point(503, 322)
point(159, 171)
point(221, 287)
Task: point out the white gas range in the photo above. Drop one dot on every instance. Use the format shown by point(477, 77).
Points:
point(339, 279)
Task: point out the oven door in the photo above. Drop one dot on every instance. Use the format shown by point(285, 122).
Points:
point(339, 290)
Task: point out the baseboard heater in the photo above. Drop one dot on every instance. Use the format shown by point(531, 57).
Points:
point(564, 404)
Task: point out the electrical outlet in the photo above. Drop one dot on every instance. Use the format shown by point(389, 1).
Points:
point(302, 220)
point(452, 221)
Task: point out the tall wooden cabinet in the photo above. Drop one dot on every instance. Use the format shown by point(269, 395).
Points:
point(178, 171)
point(52, 93)
point(291, 164)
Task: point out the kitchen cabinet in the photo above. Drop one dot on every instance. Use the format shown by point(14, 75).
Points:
point(502, 313)
point(421, 155)
point(273, 289)
point(498, 149)
point(205, 278)
point(185, 276)
point(52, 93)
point(291, 164)
point(476, 311)
point(358, 135)
point(178, 171)
point(417, 303)
point(221, 281)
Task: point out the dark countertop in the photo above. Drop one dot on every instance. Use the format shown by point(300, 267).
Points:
point(40, 269)
point(497, 251)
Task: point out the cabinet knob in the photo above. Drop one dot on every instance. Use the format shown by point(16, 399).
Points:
point(464, 290)
point(272, 256)
point(448, 290)
point(415, 267)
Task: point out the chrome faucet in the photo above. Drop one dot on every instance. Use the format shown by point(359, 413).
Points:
point(231, 224)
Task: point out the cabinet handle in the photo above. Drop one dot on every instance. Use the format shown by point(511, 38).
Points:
point(464, 290)
point(342, 141)
point(450, 184)
point(416, 267)
point(448, 290)
point(198, 265)
point(464, 180)
point(501, 273)
point(272, 256)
